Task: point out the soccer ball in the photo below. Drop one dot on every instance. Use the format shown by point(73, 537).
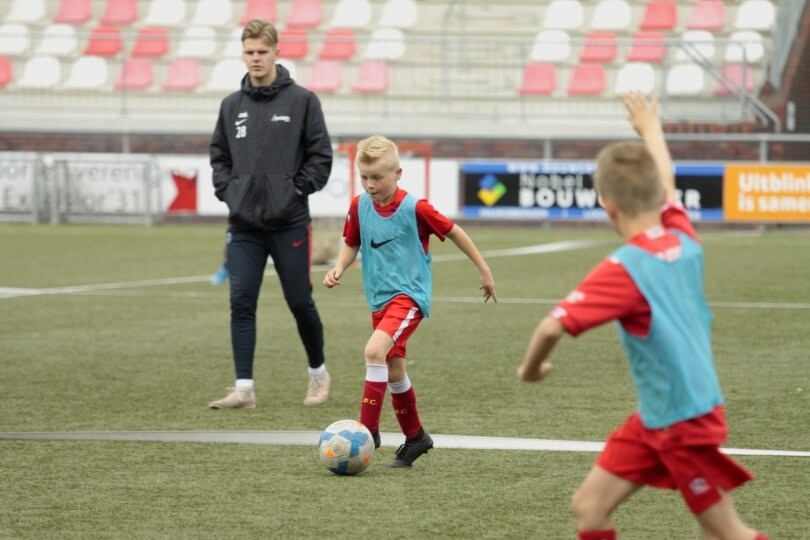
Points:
point(346, 447)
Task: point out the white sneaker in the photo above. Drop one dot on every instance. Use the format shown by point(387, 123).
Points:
point(318, 389)
point(239, 398)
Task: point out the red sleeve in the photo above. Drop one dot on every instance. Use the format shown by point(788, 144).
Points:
point(674, 216)
point(351, 228)
point(431, 221)
point(607, 293)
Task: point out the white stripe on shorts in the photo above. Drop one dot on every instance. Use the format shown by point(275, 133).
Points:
point(405, 323)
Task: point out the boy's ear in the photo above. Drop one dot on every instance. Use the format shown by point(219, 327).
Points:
point(398, 172)
point(609, 207)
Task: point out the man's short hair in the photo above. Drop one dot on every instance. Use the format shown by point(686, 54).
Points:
point(376, 148)
point(626, 174)
point(260, 29)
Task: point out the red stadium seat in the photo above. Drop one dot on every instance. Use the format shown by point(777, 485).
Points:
point(659, 15)
point(305, 14)
point(587, 80)
point(372, 78)
point(120, 12)
point(707, 15)
point(104, 41)
point(152, 42)
point(539, 78)
point(599, 47)
point(292, 43)
point(735, 74)
point(183, 76)
point(338, 45)
point(647, 47)
point(136, 74)
point(325, 76)
point(259, 9)
point(73, 12)
point(5, 71)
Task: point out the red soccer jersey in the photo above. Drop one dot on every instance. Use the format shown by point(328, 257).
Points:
point(608, 292)
point(428, 219)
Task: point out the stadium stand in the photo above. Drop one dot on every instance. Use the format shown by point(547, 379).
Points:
point(551, 46)
point(611, 15)
point(659, 15)
point(338, 44)
point(136, 74)
point(73, 12)
point(587, 80)
point(600, 46)
point(325, 76)
point(15, 39)
point(647, 47)
point(371, 78)
point(685, 79)
point(707, 15)
point(399, 14)
point(59, 40)
point(213, 13)
point(564, 15)
point(305, 14)
point(385, 44)
point(539, 78)
point(351, 14)
point(735, 78)
point(755, 15)
point(226, 75)
point(695, 45)
point(166, 13)
point(120, 13)
point(6, 71)
point(88, 73)
point(744, 46)
point(635, 76)
point(259, 9)
point(27, 11)
point(151, 42)
point(197, 42)
point(293, 43)
point(41, 72)
point(183, 75)
point(104, 41)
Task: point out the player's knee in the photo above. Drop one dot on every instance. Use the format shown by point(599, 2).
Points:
point(374, 354)
point(301, 307)
point(587, 509)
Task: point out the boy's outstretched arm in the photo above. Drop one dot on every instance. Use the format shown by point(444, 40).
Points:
point(465, 244)
point(344, 260)
point(645, 120)
point(535, 367)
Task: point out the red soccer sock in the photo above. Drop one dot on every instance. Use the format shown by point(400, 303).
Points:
point(761, 536)
point(371, 407)
point(597, 535)
point(406, 413)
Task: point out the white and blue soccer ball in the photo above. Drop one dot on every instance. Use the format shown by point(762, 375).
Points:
point(346, 447)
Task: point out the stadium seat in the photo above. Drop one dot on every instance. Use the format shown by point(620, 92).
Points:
point(351, 14)
point(151, 42)
point(213, 13)
point(707, 15)
point(259, 9)
point(685, 79)
point(600, 46)
point(166, 13)
point(635, 76)
point(587, 80)
point(41, 72)
point(58, 40)
point(611, 15)
point(700, 42)
point(385, 44)
point(104, 41)
point(73, 12)
point(119, 13)
point(293, 43)
point(197, 42)
point(136, 74)
point(647, 47)
point(371, 78)
point(659, 15)
point(6, 71)
point(183, 75)
point(305, 14)
point(736, 77)
point(539, 78)
point(26, 11)
point(551, 46)
point(399, 14)
point(233, 46)
point(563, 15)
point(15, 39)
point(338, 44)
point(226, 76)
point(744, 47)
point(87, 73)
point(755, 15)
point(325, 77)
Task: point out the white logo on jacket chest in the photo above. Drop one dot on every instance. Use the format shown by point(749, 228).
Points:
point(280, 118)
point(241, 128)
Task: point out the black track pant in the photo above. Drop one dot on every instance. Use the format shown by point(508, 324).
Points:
point(290, 250)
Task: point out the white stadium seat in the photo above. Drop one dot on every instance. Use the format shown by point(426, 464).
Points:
point(59, 40)
point(744, 46)
point(15, 39)
point(564, 15)
point(41, 72)
point(213, 13)
point(611, 15)
point(88, 72)
point(166, 13)
point(399, 14)
point(551, 46)
point(197, 42)
point(685, 79)
point(386, 44)
point(695, 41)
point(635, 76)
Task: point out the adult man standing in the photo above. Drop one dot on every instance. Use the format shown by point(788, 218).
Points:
point(270, 150)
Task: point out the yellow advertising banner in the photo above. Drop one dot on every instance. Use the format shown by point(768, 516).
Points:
point(766, 192)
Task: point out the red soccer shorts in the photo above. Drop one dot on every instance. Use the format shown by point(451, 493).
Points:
point(685, 456)
point(399, 319)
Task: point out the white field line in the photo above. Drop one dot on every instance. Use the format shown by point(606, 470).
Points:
point(307, 438)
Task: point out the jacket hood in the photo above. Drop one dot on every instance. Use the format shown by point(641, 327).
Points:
point(267, 92)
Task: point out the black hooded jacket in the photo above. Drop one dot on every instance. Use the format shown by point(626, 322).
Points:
point(269, 151)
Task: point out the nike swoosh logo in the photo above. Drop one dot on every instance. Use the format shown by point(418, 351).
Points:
point(297, 243)
point(240, 122)
point(375, 245)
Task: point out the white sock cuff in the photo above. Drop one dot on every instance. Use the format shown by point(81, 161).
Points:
point(400, 387)
point(320, 370)
point(244, 383)
point(376, 373)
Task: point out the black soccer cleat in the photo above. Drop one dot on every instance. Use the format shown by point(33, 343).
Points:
point(376, 436)
point(412, 449)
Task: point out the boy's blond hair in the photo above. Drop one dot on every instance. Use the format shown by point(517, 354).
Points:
point(377, 148)
point(626, 174)
point(260, 29)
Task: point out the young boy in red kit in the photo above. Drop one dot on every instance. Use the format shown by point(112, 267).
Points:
point(391, 229)
point(653, 287)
